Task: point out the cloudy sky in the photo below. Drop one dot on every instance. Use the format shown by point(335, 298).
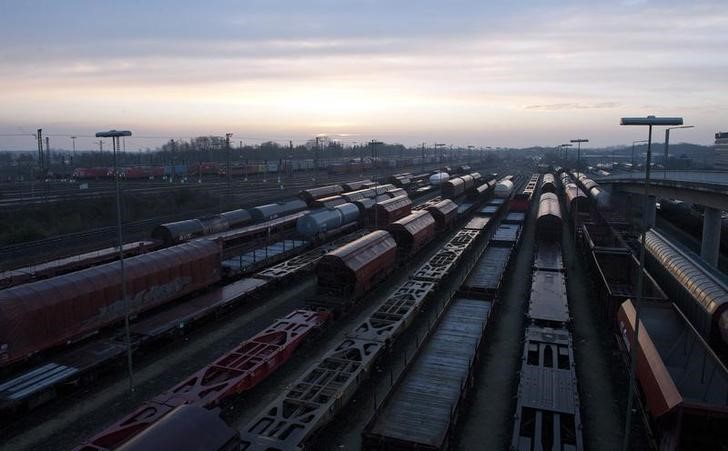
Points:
point(496, 73)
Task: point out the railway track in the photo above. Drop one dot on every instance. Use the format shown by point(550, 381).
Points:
point(245, 195)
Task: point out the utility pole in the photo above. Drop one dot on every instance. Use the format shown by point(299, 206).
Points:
point(48, 155)
point(423, 153)
point(227, 148)
point(315, 159)
point(73, 157)
point(41, 158)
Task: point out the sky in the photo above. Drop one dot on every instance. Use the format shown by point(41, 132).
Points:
point(483, 73)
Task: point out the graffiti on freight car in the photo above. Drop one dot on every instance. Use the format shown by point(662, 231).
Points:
point(152, 295)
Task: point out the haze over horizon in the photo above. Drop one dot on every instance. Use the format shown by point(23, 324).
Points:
point(462, 72)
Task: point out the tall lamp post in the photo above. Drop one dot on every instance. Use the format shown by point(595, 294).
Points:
point(648, 121)
point(578, 142)
point(667, 144)
point(565, 148)
point(115, 135)
point(73, 155)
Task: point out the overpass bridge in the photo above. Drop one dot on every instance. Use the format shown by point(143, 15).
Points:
point(706, 188)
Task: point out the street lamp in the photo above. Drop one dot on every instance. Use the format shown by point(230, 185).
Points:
point(565, 148)
point(649, 121)
point(115, 135)
point(73, 158)
point(667, 144)
point(639, 141)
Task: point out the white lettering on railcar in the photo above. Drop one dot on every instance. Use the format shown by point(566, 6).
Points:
point(151, 295)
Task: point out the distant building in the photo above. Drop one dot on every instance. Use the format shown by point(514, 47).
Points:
point(721, 150)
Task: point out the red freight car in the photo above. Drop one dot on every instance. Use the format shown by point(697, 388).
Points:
point(412, 232)
point(51, 312)
point(390, 210)
point(684, 384)
point(92, 173)
point(444, 213)
point(350, 271)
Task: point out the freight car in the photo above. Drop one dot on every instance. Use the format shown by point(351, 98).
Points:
point(479, 192)
point(549, 223)
point(181, 231)
point(277, 210)
point(547, 416)
point(347, 273)
point(522, 200)
point(615, 275)
point(235, 372)
point(412, 233)
point(548, 184)
point(444, 212)
point(312, 401)
point(683, 383)
point(355, 185)
point(503, 188)
point(327, 202)
point(73, 306)
point(700, 291)
point(310, 195)
point(320, 222)
point(576, 200)
point(185, 428)
point(386, 212)
point(547, 412)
